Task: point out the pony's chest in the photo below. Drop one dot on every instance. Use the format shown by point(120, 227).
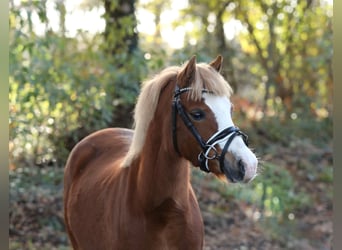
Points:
point(174, 227)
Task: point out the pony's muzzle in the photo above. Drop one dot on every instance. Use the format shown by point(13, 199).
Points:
point(239, 170)
point(248, 170)
point(235, 172)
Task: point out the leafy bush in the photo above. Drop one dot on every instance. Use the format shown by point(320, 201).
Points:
point(274, 130)
point(60, 86)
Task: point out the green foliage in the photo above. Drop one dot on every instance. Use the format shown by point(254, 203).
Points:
point(278, 191)
point(271, 130)
point(273, 192)
point(53, 92)
point(59, 85)
point(31, 179)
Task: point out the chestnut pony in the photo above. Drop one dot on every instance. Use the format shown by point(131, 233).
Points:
point(130, 189)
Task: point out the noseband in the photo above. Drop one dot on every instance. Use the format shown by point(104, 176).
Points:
point(209, 151)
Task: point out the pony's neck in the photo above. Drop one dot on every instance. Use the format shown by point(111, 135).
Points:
point(162, 173)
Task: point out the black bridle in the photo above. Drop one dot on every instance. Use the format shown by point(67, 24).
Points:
point(227, 134)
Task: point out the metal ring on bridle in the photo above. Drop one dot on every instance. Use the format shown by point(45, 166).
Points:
point(211, 147)
point(206, 154)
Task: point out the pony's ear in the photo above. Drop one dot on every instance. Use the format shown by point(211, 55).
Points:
point(217, 63)
point(187, 75)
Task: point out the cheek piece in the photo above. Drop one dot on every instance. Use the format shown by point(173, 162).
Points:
point(209, 151)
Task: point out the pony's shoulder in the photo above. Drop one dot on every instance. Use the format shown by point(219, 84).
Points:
point(100, 146)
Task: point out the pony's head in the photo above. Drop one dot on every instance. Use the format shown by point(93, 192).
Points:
point(203, 129)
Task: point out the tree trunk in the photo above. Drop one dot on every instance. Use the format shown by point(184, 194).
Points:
point(120, 33)
point(225, 50)
point(121, 41)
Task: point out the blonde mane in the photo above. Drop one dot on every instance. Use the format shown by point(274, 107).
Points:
point(206, 78)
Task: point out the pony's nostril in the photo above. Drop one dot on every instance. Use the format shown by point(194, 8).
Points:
point(241, 167)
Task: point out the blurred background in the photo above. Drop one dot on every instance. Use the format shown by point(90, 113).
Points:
point(76, 67)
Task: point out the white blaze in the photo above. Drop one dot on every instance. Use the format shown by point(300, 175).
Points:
point(221, 107)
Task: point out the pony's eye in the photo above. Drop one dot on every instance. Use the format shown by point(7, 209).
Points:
point(197, 115)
